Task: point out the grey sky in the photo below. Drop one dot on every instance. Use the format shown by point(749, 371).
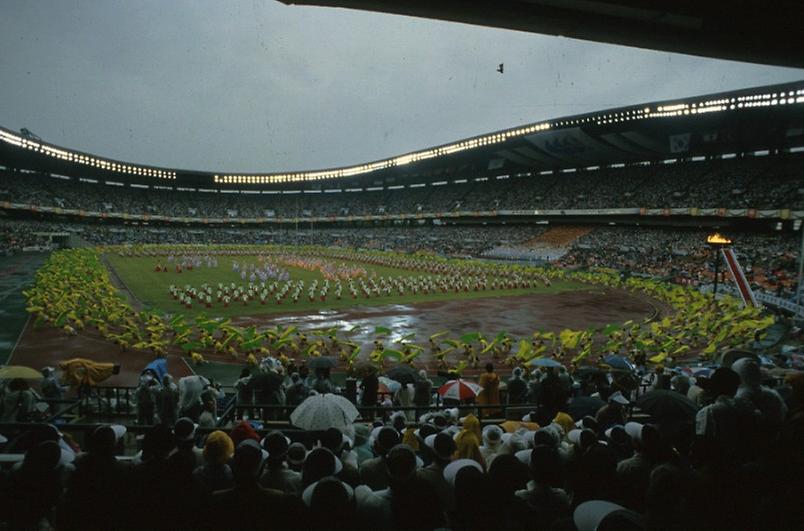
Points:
point(255, 85)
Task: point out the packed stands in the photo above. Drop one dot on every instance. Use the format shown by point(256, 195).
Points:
point(574, 451)
point(749, 182)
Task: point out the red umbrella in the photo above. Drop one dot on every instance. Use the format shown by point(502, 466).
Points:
point(459, 390)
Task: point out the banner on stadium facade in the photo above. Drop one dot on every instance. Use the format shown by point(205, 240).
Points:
point(738, 275)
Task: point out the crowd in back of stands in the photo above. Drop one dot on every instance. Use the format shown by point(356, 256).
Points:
point(763, 183)
point(769, 258)
point(728, 455)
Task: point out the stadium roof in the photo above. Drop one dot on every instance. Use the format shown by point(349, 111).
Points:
point(751, 31)
point(760, 118)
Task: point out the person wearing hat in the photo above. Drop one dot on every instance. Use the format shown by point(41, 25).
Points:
point(334, 440)
point(468, 440)
point(372, 472)
point(443, 448)
point(184, 439)
point(331, 505)
point(319, 463)
point(633, 473)
point(407, 501)
point(215, 474)
point(492, 443)
point(276, 474)
point(296, 455)
point(726, 420)
point(35, 484)
point(362, 449)
point(95, 493)
point(601, 515)
point(251, 505)
point(543, 493)
point(472, 492)
point(507, 475)
point(153, 482)
point(241, 431)
point(50, 386)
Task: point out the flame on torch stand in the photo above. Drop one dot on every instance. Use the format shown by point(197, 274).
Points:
point(717, 239)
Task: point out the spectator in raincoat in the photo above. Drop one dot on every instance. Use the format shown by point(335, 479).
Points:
point(190, 389)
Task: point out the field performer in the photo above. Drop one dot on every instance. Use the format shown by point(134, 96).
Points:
point(490, 394)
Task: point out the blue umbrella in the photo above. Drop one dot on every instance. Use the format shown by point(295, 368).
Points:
point(545, 362)
point(158, 367)
point(619, 362)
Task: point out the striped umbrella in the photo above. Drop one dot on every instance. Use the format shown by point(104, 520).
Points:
point(459, 390)
point(320, 412)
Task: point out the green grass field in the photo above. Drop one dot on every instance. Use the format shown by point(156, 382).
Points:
point(151, 288)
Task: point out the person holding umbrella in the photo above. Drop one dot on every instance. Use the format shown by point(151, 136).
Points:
point(18, 402)
point(370, 386)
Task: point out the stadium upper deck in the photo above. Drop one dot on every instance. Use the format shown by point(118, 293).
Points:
point(743, 121)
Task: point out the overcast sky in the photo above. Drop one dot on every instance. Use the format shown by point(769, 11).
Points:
point(254, 85)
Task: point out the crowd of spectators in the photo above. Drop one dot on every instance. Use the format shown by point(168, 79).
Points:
point(452, 240)
point(729, 455)
point(16, 237)
point(769, 259)
point(769, 182)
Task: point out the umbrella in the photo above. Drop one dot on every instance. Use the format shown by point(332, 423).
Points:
point(320, 412)
point(619, 362)
point(11, 372)
point(459, 390)
point(391, 386)
point(322, 362)
point(404, 374)
point(581, 406)
point(545, 362)
point(158, 367)
point(662, 405)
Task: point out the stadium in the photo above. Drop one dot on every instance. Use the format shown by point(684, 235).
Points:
point(623, 268)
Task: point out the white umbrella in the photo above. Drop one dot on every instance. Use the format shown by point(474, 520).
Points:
point(459, 389)
point(320, 412)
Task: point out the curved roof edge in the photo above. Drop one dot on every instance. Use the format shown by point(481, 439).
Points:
point(770, 96)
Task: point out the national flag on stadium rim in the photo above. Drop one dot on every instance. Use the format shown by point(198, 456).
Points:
point(738, 275)
point(459, 390)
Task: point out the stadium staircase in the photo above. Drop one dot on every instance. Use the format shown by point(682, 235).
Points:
point(556, 241)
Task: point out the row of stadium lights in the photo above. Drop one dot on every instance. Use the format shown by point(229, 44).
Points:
point(387, 163)
point(662, 111)
point(679, 109)
point(79, 158)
